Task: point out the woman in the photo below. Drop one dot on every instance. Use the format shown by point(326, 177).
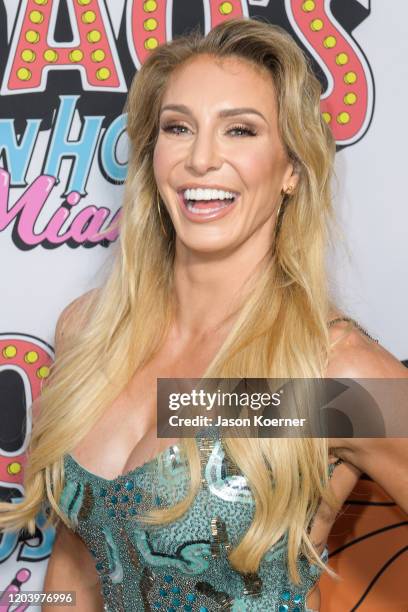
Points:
point(219, 273)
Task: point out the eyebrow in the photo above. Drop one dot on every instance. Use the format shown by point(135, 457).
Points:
point(228, 112)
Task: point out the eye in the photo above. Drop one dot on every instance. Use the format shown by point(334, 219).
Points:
point(245, 131)
point(173, 128)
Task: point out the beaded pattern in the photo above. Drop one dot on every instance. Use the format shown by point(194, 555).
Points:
point(124, 499)
point(222, 480)
point(182, 566)
point(164, 593)
point(289, 600)
point(355, 323)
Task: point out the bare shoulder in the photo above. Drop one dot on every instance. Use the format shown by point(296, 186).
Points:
point(73, 315)
point(69, 319)
point(355, 355)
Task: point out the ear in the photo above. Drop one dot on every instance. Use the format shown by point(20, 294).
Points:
point(291, 176)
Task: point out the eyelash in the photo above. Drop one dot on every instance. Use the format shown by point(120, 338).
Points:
point(248, 131)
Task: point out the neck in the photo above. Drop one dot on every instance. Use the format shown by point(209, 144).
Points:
point(208, 288)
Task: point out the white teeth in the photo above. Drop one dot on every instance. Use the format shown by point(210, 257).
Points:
point(204, 211)
point(208, 194)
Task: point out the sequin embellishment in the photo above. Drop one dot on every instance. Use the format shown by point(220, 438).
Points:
point(190, 558)
point(290, 601)
point(115, 566)
point(132, 552)
point(181, 566)
point(107, 563)
point(87, 502)
point(71, 500)
point(123, 499)
point(223, 479)
point(168, 592)
point(218, 537)
point(206, 446)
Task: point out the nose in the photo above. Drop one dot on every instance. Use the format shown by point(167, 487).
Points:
point(203, 154)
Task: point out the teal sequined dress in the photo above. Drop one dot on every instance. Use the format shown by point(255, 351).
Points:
point(182, 566)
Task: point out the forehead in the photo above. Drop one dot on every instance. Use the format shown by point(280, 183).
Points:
point(215, 83)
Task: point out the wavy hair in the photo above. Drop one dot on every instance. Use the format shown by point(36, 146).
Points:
point(280, 331)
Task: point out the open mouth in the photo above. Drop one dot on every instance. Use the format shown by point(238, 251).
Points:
point(211, 205)
point(207, 206)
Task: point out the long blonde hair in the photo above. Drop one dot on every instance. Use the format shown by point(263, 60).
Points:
point(281, 329)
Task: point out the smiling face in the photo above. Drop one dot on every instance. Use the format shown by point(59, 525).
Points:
point(219, 131)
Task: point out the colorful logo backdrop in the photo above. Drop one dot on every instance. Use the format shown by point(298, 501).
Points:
point(65, 68)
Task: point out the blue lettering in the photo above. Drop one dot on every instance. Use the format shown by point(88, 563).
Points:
point(29, 552)
point(9, 540)
point(114, 169)
point(81, 151)
point(16, 155)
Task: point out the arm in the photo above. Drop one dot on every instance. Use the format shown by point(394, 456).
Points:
point(71, 568)
point(385, 460)
point(72, 315)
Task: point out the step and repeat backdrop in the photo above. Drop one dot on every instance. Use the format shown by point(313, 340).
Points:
point(65, 67)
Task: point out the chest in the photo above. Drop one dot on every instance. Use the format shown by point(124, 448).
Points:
point(124, 437)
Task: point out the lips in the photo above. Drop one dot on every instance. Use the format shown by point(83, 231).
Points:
point(206, 210)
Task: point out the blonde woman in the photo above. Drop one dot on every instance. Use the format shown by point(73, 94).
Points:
point(219, 272)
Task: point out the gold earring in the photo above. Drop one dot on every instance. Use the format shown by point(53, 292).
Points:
point(280, 205)
point(160, 215)
point(288, 190)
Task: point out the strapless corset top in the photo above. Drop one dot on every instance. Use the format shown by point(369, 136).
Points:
point(182, 566)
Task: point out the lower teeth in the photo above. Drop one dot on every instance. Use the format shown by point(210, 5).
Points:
point(204, 211)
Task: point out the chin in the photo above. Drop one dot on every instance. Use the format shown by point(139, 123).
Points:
point(206, 247)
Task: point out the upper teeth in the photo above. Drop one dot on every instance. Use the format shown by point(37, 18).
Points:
point(208, 194)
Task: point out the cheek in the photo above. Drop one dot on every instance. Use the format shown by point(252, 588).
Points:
point(261, 170)
point(161, 160)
